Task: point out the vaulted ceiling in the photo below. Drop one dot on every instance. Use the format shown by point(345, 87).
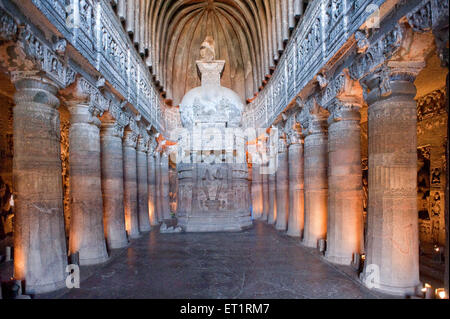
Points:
point(249, 35)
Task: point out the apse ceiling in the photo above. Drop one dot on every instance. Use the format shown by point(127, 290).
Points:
point(249, 35)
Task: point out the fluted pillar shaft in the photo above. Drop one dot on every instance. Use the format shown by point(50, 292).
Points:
point(152, 189)
point(282, 180)
point(345, 201)
point(296, 187)
point(265, 191)
point(130, 184)
point(392, 259)
point(165, 186)
point(112, 185)
point(271, 219)
point(316, 183)
point(40, 257)
point(142, 180)
point(87, 236)
point(158, 202)
point(256, 186)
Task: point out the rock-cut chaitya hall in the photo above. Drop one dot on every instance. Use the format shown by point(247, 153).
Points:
point(224, 149)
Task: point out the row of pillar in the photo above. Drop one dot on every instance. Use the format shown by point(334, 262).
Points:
point(118, 188)
point(316, 192)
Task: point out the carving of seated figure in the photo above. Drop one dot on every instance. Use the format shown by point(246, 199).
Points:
point(207, 51)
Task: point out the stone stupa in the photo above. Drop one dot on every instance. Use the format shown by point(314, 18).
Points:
point(213, 186)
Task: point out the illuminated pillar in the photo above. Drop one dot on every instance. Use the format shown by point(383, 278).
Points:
point(130, 194)
point(158, 202)
point(39, 241)
point(142, 184)
point(266, 204)
point(392, 254)
point(272, 178)
point(316, 181)
point(256, 191)
point(87, 236)
point(345, 202)
point(282, 181)
point(296, 186)
point(152, 186)
point(112, 184)
point(165, 186)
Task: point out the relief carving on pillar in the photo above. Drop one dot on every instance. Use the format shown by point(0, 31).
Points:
point(130, 138)
point(143, 141)
point(313, 117)
point(293, 130)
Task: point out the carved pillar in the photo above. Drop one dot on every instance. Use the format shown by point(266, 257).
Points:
point(39, 241)
point(142, 184)
point(130, 194)
point(282, 180)
point(87, 236)
point(296, 220)
point(265, 177)
point(272, 180)
point(316, 181)
point(345, 198)
point(266, 204)
point(152, 185)
point(256, 191)
point(165, 186)
point(158, 201)
point(112, 184)
point(392, 254)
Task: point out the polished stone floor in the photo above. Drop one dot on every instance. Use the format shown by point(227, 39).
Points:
point(257, 263)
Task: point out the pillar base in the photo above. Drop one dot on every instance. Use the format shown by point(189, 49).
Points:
point(42, 289)
point(93, 261)
point(134, 236)
point(395, 291)
point(310, 243)
point(293, 233)
point(118, 244)
point(339, 260)
point(145, 230)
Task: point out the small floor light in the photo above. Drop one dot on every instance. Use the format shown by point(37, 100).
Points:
point(427, 291)
point(440, 293)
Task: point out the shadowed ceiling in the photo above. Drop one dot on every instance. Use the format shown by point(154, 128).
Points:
point(249, 35)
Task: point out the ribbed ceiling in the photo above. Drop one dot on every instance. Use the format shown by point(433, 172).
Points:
point(249, 35)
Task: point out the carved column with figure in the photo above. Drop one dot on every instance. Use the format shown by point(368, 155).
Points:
point(87, 236)
point(40, 255)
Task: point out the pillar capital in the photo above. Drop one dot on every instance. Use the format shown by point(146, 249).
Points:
point(130, 138)
point(112, 129)
point(282, 143)
point(293, 130)
point(142, 143)
point(152, 145)
point(344, 111)
point(316, 123)
point(391, 79)
point(34, 88)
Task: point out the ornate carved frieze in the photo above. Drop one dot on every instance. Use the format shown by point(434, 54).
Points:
point(8, 27)
point(326, 26)
point(431, 104)
point(377, 53)
point(29, 53)
point(91, 27)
